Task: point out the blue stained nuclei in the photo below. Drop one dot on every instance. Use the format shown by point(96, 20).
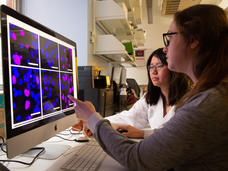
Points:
point(20, 92)
point(15, 94)
point(46, 54)
point(14, 105)
point(16, 73)
point(35, 36)
point(28, 86)
point(12, 25)
point(33, 86)
point(44, 81)
point(20, 82)
point(18, 118)
point(32, 94)
point(36, 51)
point(21, 45)
point(37, 97)
point(32, 54)
point(36, 109)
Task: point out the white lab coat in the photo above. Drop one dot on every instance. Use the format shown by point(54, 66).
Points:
point(143, 116)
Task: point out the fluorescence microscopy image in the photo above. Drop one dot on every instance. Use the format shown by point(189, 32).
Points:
point(48, 53)
point(50, 91)
point(23, 47)
point(67, 88)
point(40, 74)
point(65, 58)
point(26, 94)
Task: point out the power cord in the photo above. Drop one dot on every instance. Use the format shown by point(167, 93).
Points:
point(2, 144)
point(64, 138)
point(21, 162)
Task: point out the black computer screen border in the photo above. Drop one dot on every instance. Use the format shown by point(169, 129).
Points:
point(5, 11)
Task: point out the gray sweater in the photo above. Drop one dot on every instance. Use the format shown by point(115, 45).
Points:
point(196, 138)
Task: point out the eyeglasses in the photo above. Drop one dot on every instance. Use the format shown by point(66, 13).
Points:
point(167, 36)
point(157, 67)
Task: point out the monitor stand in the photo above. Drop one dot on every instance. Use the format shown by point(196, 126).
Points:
point(52, 151)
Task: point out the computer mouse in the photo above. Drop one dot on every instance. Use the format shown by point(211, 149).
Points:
point(82, 138)
point(122, 130)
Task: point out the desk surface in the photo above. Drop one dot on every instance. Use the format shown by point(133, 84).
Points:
point(54, 165)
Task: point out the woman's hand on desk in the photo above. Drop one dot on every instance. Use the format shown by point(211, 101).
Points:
point(128, 130)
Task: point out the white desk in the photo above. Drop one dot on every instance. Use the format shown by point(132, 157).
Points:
point(54, 165)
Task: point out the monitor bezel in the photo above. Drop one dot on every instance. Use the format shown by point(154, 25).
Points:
point(54, 124)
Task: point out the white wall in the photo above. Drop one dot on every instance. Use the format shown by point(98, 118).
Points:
point(67, 17)
point(74, 19)
point(92, 28)
point(153, 40)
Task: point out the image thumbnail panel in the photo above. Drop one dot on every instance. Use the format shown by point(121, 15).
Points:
point(48, 53)
point(67, 88)
point(50, 91)
point(23, 46)
point(65, 58)
point(26, 93)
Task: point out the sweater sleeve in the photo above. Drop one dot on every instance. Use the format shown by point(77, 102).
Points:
point(186, 141)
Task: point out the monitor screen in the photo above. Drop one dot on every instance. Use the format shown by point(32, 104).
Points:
point(39, 72)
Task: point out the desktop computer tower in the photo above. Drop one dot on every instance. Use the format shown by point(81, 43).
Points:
point(87, 92)
point(102, 98)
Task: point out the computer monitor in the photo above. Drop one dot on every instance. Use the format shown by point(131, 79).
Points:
point(39, 71)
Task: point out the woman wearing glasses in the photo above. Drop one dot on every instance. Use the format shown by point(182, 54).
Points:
point(196, 137)
point(156, 107)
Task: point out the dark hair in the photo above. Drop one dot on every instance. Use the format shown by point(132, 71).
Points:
point(178, 83)
point(207, 24)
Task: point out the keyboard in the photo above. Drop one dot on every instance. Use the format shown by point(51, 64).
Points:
point(87, 157)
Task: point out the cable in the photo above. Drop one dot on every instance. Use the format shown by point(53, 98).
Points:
point(21, 162)
point(2, 144)
point(65, 138)
point(75, 133)
point(71, 133)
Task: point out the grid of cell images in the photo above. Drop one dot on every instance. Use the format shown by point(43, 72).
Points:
point(40, 85)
